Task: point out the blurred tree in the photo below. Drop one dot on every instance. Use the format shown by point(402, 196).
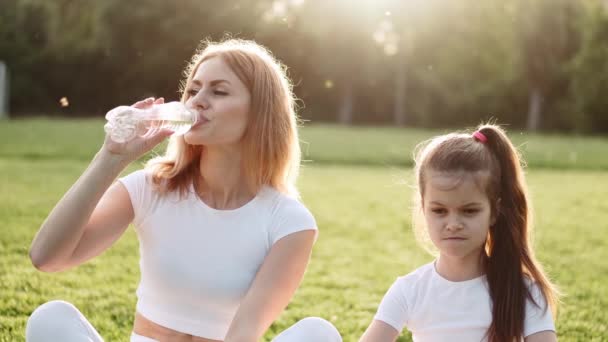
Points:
point(37, 37)
point(396, 41)
point(549, 40)
point(416, 62)
point(149, 42)
point(459, 70)
point(590, 72)
point(343, 48)
point(99, 54)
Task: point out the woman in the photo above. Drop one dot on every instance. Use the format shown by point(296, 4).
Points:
point(224, 241)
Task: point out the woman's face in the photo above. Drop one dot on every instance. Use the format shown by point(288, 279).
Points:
point(221, 102)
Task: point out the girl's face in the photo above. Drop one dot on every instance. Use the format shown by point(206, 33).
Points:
point(221, 102)
point(457, 211)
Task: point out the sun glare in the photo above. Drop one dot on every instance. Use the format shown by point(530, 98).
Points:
point(388, 22)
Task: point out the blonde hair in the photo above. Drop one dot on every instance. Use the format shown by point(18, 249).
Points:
point(271, 150)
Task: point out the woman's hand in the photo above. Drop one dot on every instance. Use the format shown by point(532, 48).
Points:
point(138, 146)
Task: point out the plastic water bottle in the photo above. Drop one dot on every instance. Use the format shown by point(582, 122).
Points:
point(126, 122)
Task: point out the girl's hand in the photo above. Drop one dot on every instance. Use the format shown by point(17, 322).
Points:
point(138, 146)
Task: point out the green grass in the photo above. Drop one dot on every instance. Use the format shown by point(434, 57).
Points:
point(322, 144)
point(357, 187)
point(393, 147)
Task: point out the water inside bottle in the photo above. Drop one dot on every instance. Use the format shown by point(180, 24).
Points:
point(179, 127)
point(125, 122)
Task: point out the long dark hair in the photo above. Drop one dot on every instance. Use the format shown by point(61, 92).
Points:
point(509, 261)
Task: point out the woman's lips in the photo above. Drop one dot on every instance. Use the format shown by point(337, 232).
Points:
point(200, 120)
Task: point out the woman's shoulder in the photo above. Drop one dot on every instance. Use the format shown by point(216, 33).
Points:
point(142, 176)
point(134, 179)
point(280, 202)
point(137, 173)
point(142, 183)
point(286, 213)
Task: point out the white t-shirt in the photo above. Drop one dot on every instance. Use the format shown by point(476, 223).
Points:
point(197, 262)
point(436, 309)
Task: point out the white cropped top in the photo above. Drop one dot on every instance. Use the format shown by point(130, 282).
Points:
point(436, 309)
point(197, 262)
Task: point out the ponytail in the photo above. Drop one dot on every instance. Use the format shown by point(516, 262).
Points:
point(510, 264)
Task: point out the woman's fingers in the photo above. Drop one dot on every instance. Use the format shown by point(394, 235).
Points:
point(148, 102)
point(144, 103)
point(156, 138)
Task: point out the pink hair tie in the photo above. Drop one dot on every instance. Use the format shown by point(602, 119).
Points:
point(480, 137)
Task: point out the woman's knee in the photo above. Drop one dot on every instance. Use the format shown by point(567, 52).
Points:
point(58, 321)
point(311, 329)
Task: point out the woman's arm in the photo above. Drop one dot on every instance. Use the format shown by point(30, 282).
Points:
point(57, 245)
point(272, 289)
point(93, 213)
point(542, 336)
point(379, 331)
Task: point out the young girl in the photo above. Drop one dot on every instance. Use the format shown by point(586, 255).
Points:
point(485, 284)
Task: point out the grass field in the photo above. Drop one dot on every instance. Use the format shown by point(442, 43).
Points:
point(357, 185)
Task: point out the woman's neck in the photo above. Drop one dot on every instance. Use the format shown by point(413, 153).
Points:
point(223, 183)
point(460, 268)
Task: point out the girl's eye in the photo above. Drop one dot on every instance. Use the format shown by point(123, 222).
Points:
point(438, 211)
point(220, 93)
point(192, 92)
point(471, 211)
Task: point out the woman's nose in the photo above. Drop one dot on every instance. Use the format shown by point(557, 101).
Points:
point(199, 101)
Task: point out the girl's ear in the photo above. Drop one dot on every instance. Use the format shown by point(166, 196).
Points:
point(495, 212)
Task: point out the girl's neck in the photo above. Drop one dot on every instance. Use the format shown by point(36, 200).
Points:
point(223, 183)
point(460, 268)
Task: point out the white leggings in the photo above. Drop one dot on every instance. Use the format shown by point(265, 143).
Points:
point(61, 321)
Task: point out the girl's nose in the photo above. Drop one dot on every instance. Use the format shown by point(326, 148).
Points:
point(454, 226)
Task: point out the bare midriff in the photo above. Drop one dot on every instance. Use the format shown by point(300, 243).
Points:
point(147, 328)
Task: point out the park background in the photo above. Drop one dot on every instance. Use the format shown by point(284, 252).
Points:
point(374, 78)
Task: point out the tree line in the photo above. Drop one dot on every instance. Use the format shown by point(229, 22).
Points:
point(535, 64)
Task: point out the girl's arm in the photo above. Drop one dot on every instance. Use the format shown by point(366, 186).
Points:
point(543, 336)
point(272, 289)
point(379, 331)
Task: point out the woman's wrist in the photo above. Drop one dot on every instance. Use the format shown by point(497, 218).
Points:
point(111, 161)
